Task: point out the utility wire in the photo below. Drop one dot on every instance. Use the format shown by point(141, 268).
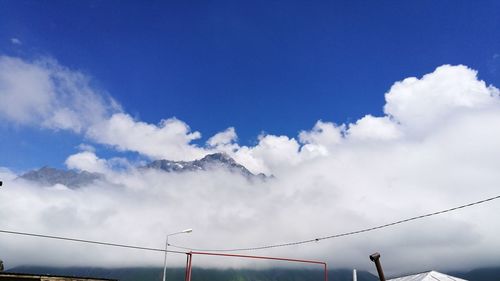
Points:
point(250, 248)
point(340, 234)
point(88, 241)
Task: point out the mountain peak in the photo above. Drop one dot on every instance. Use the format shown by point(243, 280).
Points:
point(218, 157)
point(51, 176)
point(208, 162)
point(74, 179)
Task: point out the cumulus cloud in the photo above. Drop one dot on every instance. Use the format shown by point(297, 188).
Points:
point(322, 133)
point(435, 147)
point(223, 139)
point(420, 103)
point(44, 93)
point(374, 128)
point(170, 139)
point(87, 161)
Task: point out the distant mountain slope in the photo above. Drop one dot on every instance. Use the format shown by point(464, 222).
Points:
point(75, 179)
point(199, 274)
point(480, 274)
point(209, 162)
point(69, 178)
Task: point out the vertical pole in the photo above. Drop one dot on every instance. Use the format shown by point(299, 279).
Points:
point(326, 272)
point(165, 261)
point(354, 275)
point(190, 266)
point(376, 259)
point(187, 265)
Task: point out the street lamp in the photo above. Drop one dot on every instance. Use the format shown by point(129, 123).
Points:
point(189, 230)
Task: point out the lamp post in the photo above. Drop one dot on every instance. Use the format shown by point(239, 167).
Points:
point(189, 230)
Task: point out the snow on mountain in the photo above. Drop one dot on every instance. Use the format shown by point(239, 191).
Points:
point(75, 179)
point(209, 162)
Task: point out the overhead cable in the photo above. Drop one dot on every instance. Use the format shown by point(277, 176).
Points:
point(339, 234)
point(88, 241)
point(250, 248)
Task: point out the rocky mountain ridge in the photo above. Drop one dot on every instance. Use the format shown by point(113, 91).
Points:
point(209, 162)
point(75, 179)
point(51, 176)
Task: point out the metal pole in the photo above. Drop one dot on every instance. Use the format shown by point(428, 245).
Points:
point(326, 272)
point(189, 230)
point(376, 259)
point(190, 267)
point(354, 275)
point(165, 261)
point(186, 273)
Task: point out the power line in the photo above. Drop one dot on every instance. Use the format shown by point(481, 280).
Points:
point(341, 234)
point(250, 248)
point(88, 241)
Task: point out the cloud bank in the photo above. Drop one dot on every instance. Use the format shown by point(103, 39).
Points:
point(435, 147)
point(44, 93)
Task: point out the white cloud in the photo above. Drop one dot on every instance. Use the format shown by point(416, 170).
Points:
point(225, 138)
point(323, 133)
point(270, 155)
point(87, 161)
point(170, 139)
point(86, 147)
point(374, 128)
point(44, 93)
point(26, 93)
point(436, 147)
point(420, 103)
point(321, 140)
point(15, 41)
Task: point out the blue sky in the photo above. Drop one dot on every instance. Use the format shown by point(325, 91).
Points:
point(260, 66)
point(353, 106)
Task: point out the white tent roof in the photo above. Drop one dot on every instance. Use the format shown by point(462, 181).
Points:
point(428, 276)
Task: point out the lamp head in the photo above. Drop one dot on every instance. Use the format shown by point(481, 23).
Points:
point(189, 230)
point(374, 257)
